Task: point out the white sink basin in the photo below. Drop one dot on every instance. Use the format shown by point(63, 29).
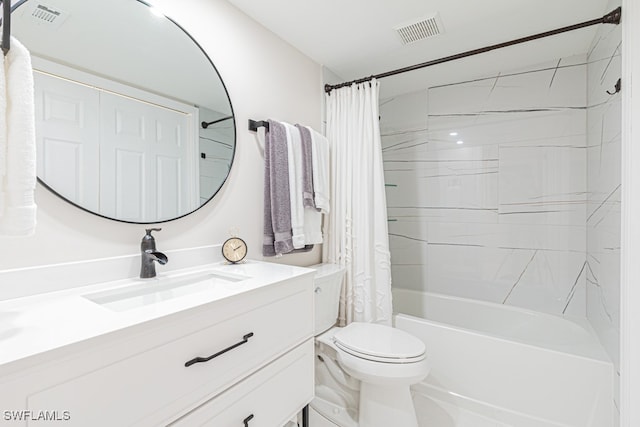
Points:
point(152, 291)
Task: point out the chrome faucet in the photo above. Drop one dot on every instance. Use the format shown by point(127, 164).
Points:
point(150, 255)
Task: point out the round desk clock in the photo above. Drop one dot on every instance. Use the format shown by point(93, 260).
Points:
point(234, 250)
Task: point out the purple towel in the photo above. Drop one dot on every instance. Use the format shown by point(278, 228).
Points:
point(307, 168)
point(277, 204)
point(276, 192)
point(267, 236)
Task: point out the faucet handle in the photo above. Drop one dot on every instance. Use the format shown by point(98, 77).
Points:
point(148, 242)
point(149, 230)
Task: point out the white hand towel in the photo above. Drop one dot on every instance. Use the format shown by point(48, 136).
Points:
point(19, 215)
point(312, 226)
point(294, 145)
point(3, 132)
point(320, 159)
point(312, 217)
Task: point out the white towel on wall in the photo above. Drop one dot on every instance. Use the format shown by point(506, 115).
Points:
point(18, 217)
point(312, 217)
point(312, 226)
point(320, 159)
point(3, 132)
point(294, 146)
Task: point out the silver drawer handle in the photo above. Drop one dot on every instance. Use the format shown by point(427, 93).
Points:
point(245, 339)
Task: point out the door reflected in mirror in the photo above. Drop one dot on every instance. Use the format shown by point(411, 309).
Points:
point(121, 96)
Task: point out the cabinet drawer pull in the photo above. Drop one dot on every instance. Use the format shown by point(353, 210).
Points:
point(206, 359)
point(246, 420)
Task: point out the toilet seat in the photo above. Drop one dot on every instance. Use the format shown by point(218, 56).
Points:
point(379, 343)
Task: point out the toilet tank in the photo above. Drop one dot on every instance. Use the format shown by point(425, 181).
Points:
point(327, 285)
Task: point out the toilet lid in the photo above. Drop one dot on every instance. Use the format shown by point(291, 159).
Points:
point(380, 343)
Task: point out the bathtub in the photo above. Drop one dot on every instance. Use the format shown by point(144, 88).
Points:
point(498, 365)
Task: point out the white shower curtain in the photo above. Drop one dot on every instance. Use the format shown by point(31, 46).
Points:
point(356, 227)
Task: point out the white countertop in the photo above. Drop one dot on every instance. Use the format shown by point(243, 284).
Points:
point(33, 325)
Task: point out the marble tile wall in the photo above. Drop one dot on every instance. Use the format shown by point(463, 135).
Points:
point(604, 187)
point(487, 187)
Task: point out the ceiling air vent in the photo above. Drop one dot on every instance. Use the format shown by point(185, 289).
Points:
point(421, 29)
point(42, 14)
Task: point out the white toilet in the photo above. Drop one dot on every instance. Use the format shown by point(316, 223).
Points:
point(364, 370)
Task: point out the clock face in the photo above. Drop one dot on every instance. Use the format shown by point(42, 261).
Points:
point(234, 249)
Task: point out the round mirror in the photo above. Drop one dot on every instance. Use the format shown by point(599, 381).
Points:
point(133, 122)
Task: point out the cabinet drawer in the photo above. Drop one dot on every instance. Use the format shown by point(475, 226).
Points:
point(268, 398)
point(152, 386)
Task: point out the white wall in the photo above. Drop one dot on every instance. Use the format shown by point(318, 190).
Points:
point(630, 242)
point(501, 216)
point(604, 141)
point(265, 78)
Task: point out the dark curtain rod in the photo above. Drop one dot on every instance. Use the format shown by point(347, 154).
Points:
point(207, 124)
point(6, 25)
point(612, 17)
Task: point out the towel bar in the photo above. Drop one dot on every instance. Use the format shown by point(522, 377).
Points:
point(6, 25)
point(207, 124)
point(254, 125)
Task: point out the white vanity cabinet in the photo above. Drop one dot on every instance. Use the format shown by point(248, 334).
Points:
point(262, 399)
point(162, 372)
